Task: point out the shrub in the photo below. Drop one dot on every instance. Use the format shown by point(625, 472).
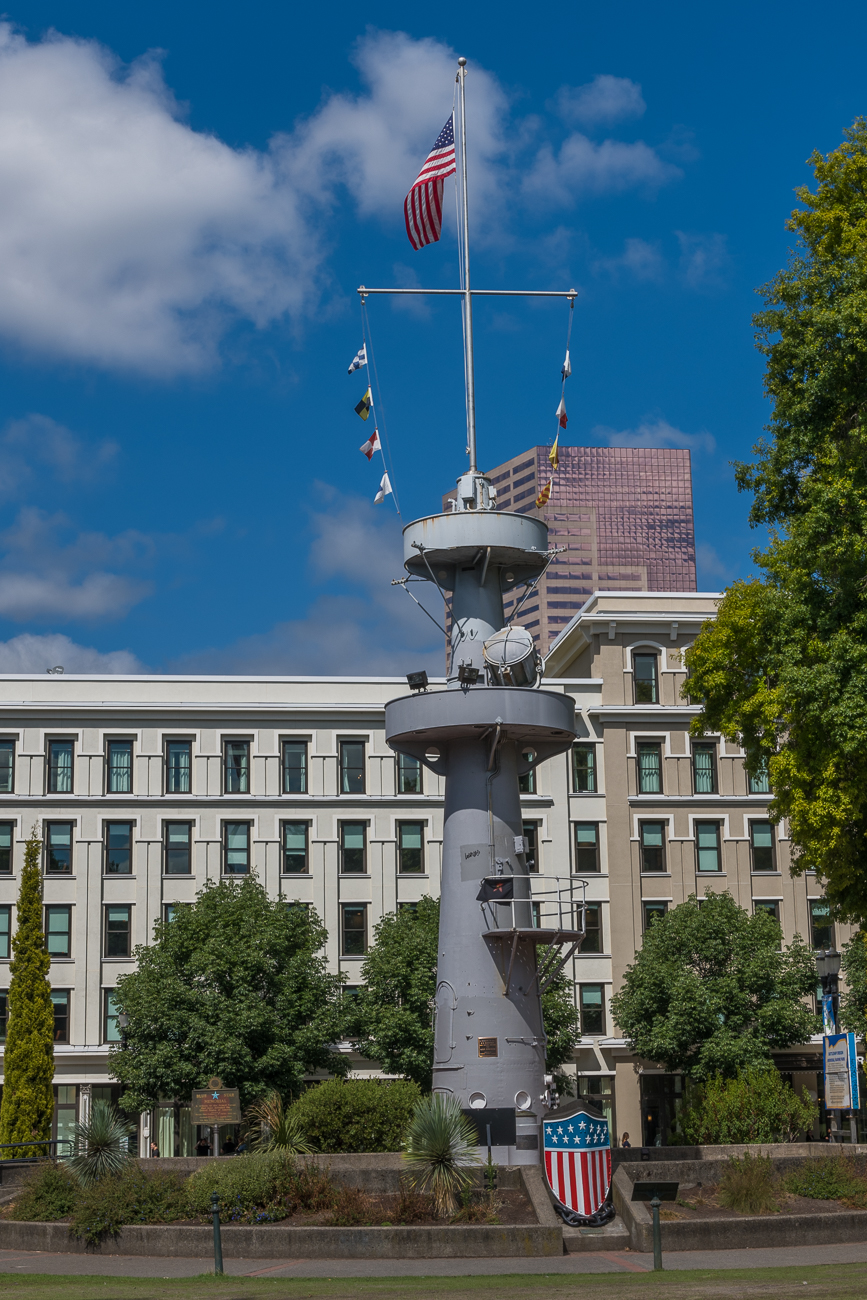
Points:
point(101, 1145)
point(49, 1194)
point(440, 1151)
point(245, 1185)
point(134, 1195)
point(358, 1115)
point(830, 1178)
point(273, 1128)
point(757, 1106)
point(748, 1185)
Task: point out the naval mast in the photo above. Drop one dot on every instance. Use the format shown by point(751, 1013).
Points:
point(501, 939)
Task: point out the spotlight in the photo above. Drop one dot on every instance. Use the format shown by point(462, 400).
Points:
point(468, 675)
point(417, 681)
point(58, 669)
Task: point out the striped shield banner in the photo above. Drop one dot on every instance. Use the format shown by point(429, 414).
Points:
point(578, 1161)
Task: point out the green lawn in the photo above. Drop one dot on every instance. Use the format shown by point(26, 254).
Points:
point(836, 1282)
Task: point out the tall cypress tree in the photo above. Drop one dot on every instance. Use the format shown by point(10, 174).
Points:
point(28, 1095)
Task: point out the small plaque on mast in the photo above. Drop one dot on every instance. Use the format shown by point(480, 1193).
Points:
point(489, 1047)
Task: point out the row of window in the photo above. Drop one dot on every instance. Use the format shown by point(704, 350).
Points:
point(178, 766)
point(821, 925)
point(236, 847)
point(652, 846)
point(704, 770)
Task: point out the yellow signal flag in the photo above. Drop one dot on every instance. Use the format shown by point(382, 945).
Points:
point(553, 454)
point(544, 496)
point(363, 407)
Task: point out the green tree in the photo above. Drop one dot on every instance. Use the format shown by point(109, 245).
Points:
point(28, 1094)
point(756, 1106)
point(853, 998)
point(713, 991)
point(235, 985)
point(394, 1015)
point(783, 670)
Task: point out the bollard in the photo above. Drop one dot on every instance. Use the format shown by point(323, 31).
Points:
point(218, 1244)
point(657, 1235)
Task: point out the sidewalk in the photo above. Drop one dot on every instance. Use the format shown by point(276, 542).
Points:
point(591, 1262)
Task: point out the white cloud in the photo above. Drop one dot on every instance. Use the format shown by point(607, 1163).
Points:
point(36, 654)
point(711, 566)
point(639, 258)
point(601, 102)
point(36, 443)
point(583, 168)
point(704, 259)
point(370, 628)
point(655, 433)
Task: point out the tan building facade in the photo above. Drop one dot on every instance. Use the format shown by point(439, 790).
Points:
point(145, 788)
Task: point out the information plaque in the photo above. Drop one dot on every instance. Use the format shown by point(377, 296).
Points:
point(216, 1104)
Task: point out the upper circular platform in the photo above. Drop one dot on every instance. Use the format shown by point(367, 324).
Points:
point(455, 540)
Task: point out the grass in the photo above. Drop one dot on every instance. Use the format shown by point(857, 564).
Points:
point(749, 1185)
point(829, 1282)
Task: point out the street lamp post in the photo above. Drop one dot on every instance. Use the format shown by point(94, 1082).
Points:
point(828, 962)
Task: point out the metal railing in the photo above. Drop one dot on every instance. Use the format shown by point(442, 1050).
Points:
point(549, 903)
point(49, 1145)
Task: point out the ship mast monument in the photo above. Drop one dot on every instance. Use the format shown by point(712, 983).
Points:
point(501, 941)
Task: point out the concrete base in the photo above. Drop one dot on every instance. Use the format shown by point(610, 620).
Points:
point(612, 1236)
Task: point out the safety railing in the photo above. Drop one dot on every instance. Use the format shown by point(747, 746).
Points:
point(546, 904)
point(50, 1147)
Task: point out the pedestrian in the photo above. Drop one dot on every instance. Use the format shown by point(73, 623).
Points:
point(624, 1141)
point(203, 1147)
point(155, 1151)
point(229, 1146)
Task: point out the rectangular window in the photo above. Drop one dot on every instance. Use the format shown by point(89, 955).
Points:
point(652, 912)
point(584, 769)
point(178, 848)
point(118, 848)
point(650, 769)
point(4, 1013)
point(704, 769)
point(759, 783)
point(170, 911)
point(5, 932)
point(821, 929)
point(60, 766)
point(117, 931)
point(652, 840)
point(592, 1007)
point(119, 766)
point(237, 767)
point(296, 906)
point(586, 847)
point(592, 941)
point(236, 848)
point(645, 679)
point(410, 846)
point(58, 848)
point(7, 838)
point(294, 766)
point(352, 767)
point(60, 1005)
point(295, 861)
point(527, 782)
point(353, 846)
point(762, 846)
point(707, 846)
point(7, 766)
point(353, 927)
point(110, 1028)
point(58, 931)
point(530, 832)
point(771, 906)
point(408, 775)
point(179, 765)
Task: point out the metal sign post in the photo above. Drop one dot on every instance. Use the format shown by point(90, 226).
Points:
point(655, 1193)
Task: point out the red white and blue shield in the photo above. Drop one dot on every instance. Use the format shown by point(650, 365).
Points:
point(578, 1162)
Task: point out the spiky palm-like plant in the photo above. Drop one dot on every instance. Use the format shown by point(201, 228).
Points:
point(274, 1129)
point(101, 1146)
point(441, 1148)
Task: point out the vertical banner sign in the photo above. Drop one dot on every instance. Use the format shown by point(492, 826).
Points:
point(841, 1072)
point(829, 1024)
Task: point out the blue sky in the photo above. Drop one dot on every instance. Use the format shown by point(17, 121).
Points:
point(189, 196)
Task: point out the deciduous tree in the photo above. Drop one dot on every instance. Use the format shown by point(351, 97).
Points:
point(235, 985)
point(783, 669)
point(713, 991)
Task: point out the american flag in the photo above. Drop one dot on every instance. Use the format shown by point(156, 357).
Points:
point(423, 206)
point(578, 1161)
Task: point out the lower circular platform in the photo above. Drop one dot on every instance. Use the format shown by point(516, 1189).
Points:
point(543, 718)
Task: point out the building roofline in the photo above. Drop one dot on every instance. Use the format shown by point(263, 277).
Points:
point(191, 677)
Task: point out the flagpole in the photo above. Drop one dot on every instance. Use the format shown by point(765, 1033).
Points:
point(468, 299)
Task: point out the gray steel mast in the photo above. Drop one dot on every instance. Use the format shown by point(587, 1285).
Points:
point(491, 724)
